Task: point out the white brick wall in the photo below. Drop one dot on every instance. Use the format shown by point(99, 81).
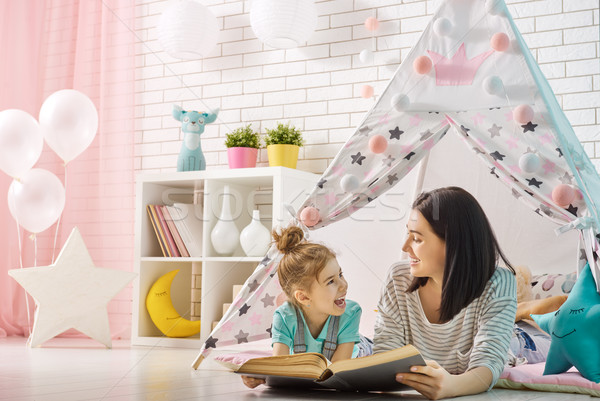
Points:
point(317, 87)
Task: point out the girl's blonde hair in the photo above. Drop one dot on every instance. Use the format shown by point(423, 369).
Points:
point(301, 263)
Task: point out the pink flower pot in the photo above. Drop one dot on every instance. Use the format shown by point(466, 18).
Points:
point(242, 157)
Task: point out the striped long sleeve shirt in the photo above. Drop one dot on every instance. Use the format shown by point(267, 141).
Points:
point(479, 335)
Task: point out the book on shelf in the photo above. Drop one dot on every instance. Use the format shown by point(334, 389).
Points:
point(187, 218)
point(312, 370)
point(157, 229)
point(174, 232)
point(171, 247)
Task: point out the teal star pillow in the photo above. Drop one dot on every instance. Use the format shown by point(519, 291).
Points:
point(575, 331)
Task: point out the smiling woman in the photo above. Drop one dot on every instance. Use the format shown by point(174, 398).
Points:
point(451, 292)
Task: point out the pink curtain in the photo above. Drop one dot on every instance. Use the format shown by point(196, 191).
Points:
point(85, 45)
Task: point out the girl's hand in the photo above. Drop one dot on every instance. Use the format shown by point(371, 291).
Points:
point(252, 381)
point(433, 381)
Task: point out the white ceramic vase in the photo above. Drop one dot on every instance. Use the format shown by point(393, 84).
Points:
point(255, 237)
point(225, 237)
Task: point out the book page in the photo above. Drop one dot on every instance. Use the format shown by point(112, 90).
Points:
point(308, 365)
point(376, 359)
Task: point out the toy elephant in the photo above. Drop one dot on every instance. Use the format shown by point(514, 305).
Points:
point(191, 157)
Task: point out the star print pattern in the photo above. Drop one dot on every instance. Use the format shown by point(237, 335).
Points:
point(395, 133)
point(358, 158)
point(498, 142)
point(529, 127)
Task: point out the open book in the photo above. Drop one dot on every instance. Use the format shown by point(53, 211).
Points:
point(371, 373)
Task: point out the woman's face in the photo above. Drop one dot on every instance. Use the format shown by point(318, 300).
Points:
point(427, 251)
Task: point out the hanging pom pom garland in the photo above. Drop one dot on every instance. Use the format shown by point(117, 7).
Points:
point(442, 27)
point(366, 91)
point(371, 24)
point(493, 85)
point(563, 195)
point(422, 65)
point(523, 114)
point(366, 56)
point(310, 216)
point(378, 144)
point(500, 42)
point(349, 183)
point(530, 163)
point(400, 102)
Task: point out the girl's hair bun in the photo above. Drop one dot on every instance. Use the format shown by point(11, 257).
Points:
point(288, 239)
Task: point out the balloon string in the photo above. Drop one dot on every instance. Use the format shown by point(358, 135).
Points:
point(59, 219)
point(21, 266)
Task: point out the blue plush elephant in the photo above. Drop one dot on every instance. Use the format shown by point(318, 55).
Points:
point(191, 157)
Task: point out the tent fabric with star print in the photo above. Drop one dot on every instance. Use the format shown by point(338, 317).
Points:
point(484, 89)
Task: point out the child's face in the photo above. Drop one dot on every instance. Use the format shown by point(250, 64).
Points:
point(328, 291)
point(427, 251)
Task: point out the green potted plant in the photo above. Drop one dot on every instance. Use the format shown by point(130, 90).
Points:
point(283, 144)
point(242, 147)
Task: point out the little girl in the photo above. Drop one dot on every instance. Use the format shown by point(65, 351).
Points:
point(317, 316)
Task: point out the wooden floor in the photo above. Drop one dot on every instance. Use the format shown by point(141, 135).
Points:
point(82, 369)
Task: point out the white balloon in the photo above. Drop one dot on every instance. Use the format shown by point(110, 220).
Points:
point(366, 56)
point(36, 200)
point(442, 26)
point(400, 102)
point(69, 122)
point(21, 142)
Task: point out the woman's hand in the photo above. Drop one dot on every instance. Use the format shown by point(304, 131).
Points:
point(252, 381)
point(433, 381)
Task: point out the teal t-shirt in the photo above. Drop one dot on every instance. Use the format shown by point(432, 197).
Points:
point(285, 326)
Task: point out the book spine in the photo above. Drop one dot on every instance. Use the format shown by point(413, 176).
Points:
point(186, 234)
point(174, 232)
point(155, 225)
point(171, 247)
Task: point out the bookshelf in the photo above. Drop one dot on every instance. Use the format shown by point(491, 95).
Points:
point(204, 283)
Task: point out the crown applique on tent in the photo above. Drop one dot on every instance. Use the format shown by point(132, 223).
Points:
point(470, 75)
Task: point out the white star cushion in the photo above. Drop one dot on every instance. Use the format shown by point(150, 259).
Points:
point(71, 293)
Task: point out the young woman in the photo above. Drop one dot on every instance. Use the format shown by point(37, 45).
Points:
point(317, 316)
point(451, 301)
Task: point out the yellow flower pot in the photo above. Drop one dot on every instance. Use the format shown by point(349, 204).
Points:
point(283, 155)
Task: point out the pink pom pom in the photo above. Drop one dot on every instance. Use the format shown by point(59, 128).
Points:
point(500, 42)
point(422, 65)
point(523, 114)
point(310, 216)
point(366, 91)
point(563, 195)
point(378, 144)
point(371, 24)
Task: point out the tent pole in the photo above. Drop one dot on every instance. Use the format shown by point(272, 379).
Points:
point(198, 361)
point(421, 176)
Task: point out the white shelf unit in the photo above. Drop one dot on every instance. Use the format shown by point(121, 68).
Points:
point(206, 282)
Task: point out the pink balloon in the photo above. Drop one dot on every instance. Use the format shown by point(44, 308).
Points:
point(523, 114)
point(500, 42)
point(563, 195)
point(422, 65)
point(367, 91)
point(371, 24)
point(36, 200)
point(378, 144)
point(310, 216)
point(21, 142)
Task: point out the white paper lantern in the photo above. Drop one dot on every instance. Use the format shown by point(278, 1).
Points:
point(283, 24)
point(188, 30)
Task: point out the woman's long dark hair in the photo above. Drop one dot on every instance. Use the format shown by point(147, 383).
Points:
point(472, 251)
